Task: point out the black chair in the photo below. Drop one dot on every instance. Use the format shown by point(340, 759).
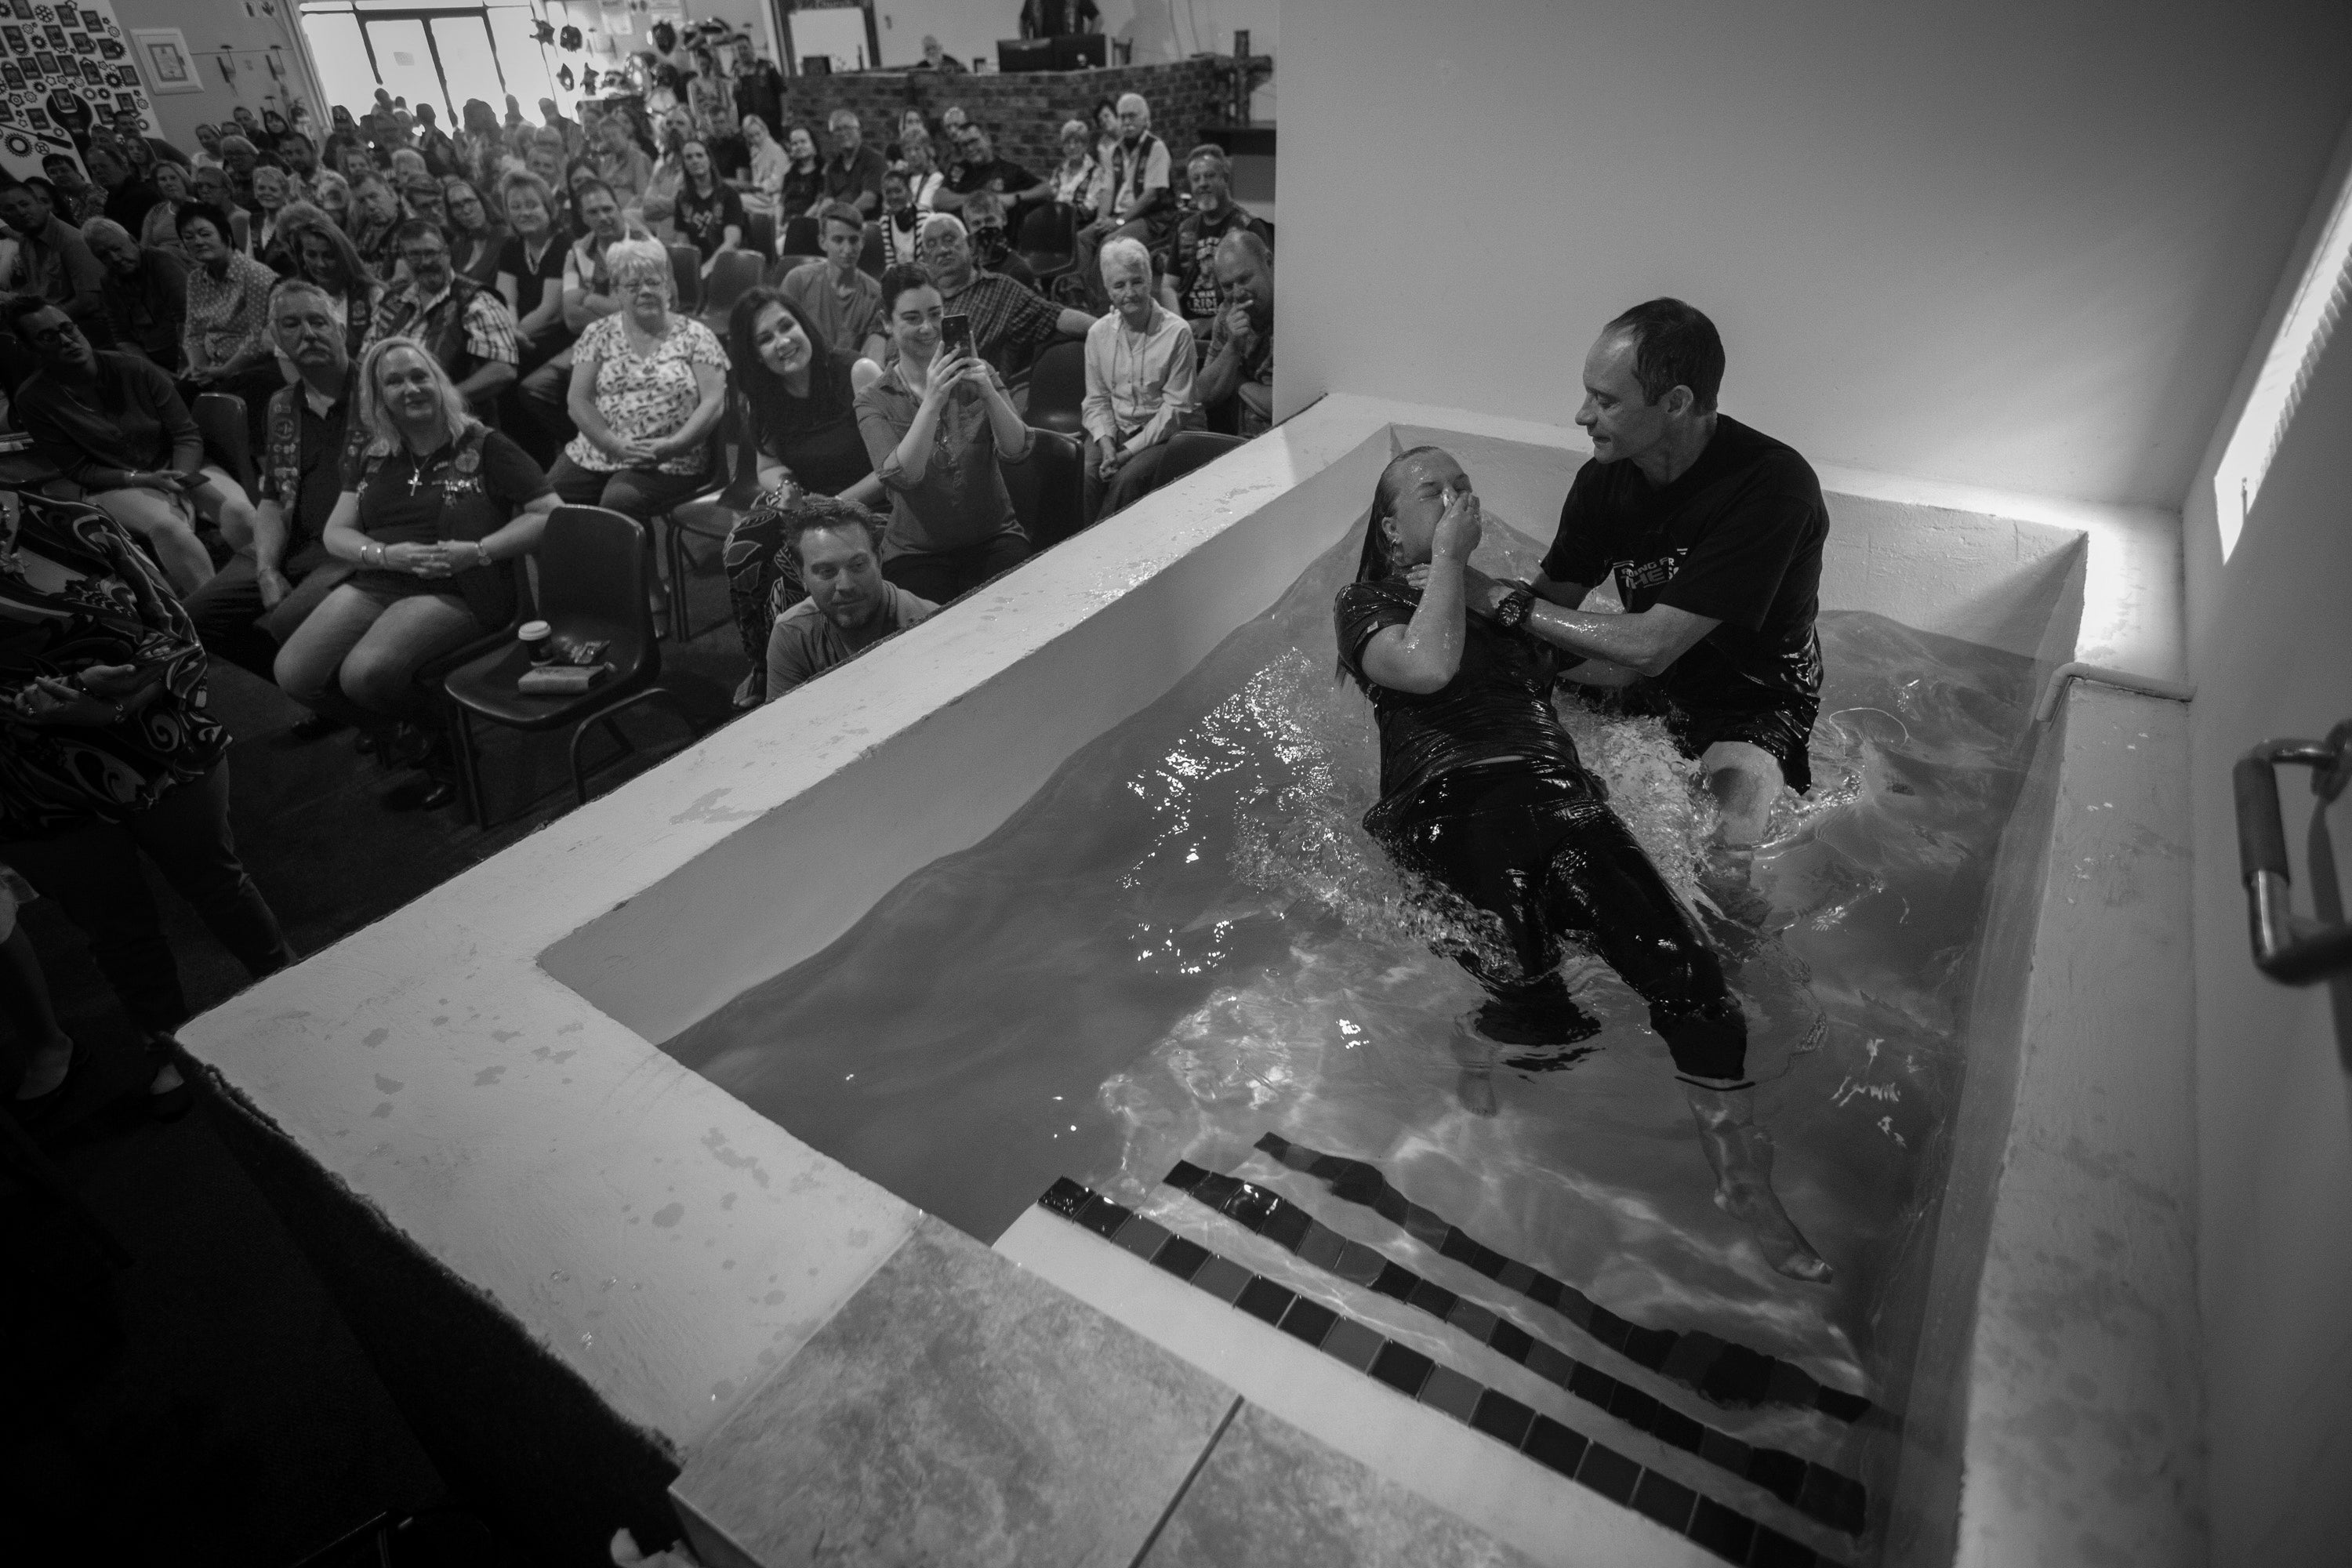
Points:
point(670, 534)
point(1057, 389)
point(802, 238)
point(760, 234)
point(1048, 491)
point(781, 268)
point(1049, 240)
point(220, 419)
point(733, 273)
point(686, 272)
point(592, 585)
point(869, 259)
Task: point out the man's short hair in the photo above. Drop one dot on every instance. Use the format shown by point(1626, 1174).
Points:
point(297, 289)
point(840, 211)
point(1140, 101)
point(1250, 244)
point(418, 228)
point(937, 222)
point(1674, 345)
point(983, 205)
point(843, 116)
point(1215, 154)
point(106, 228)
point(16, 306)
point(810, 513)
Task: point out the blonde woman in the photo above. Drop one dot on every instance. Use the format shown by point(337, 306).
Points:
point(647, 387)
point(441, 509)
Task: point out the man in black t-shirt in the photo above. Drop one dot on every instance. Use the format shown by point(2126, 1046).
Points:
point(1714, 533)
point(978, 168)
point(1189, 288)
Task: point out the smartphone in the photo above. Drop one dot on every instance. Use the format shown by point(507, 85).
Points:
point(955, 332)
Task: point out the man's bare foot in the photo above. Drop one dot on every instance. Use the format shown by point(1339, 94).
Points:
point(1476, 1088)
point(1741, 1154)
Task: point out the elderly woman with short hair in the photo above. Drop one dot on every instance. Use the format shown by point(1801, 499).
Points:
point(648, 388)
point(1139, 382)
point(436, 513)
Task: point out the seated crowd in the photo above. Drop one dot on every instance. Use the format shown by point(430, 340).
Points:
point(429, 340)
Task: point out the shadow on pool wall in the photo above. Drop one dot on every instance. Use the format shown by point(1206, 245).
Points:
point(2012, 586)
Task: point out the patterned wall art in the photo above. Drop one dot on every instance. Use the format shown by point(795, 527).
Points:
point(63, 68)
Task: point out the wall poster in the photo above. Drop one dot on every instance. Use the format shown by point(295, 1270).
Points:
point(66, 67)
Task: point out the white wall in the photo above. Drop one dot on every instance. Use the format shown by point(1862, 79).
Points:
point(2010, 244)
point(214, 29)
point(2270, 650)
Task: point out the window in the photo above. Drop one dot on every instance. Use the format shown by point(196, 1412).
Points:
point(441, 55)
point(2311, 316)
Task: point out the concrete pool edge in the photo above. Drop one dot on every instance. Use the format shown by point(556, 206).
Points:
point(539, 1200)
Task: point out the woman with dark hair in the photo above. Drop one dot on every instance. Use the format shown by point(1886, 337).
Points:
point(803, 186)
point(936, 425)
point(476, 239)
point(707, 210)
point(480, 143)
point(795, 403)
point(225, 345)
point(213, 188)
point(326, 257)
point(1482, 795)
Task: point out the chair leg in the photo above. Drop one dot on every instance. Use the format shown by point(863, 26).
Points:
point(469, 771)
point(605, 718)
point(674, 551)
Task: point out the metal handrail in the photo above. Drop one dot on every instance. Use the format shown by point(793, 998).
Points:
point(2288, 947)
point(2123, 679)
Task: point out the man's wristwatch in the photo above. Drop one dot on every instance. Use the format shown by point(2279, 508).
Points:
point(1512, 612)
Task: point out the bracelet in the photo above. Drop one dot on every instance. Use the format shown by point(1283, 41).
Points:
point(483, 550)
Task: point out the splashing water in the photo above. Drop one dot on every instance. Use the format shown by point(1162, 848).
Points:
point(1185, 940)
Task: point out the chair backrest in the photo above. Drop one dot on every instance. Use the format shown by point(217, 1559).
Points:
point(781, 266)
point(869, 260)
point(1190, 450)
point(733, 274)
point(16, 367)
point(592, 568)
point(802, 238)
point(228, 439)
point(685, 271)
point(1049, 231)
point(1049, 491)
point(760, 234)
point(1057, 388)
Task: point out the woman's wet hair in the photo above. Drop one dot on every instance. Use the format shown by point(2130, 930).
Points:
point(1375, 564)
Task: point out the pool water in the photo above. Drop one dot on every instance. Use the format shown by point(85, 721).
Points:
point(1184, 940)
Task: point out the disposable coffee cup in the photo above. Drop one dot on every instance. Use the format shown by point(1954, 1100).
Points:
point(534, 635)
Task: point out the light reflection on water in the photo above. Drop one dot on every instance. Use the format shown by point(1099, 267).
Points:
point(1185, 940)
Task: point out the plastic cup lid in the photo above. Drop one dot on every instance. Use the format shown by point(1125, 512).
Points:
point(531, 631)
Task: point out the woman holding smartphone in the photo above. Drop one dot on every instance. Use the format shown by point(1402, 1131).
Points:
point(935, 424)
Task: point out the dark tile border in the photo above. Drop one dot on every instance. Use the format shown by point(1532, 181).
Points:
point(1717, 1370)
point(1726, 1533)
point(1813, 1489)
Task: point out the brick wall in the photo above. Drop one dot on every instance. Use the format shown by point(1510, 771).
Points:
point(1023, 110)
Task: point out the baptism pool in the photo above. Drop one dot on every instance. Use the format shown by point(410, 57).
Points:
point(1090, 833)
point(1184, 942)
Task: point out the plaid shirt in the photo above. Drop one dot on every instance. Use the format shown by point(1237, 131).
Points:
point(465, 325)
point(1008, 323)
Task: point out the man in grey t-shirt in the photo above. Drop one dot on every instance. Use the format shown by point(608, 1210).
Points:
point(850, 607)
